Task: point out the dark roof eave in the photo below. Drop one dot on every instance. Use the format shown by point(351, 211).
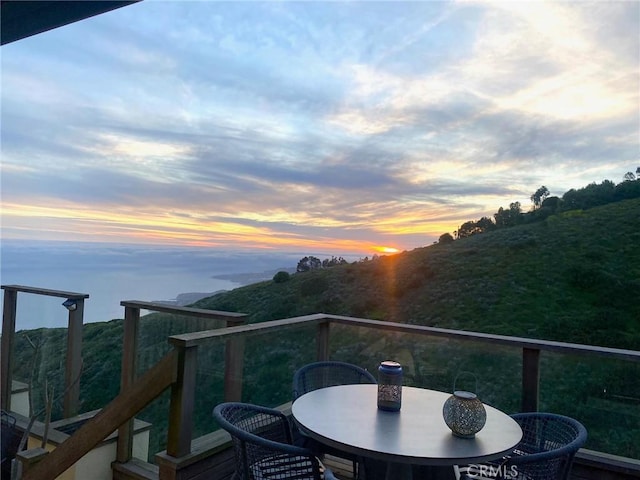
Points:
point(22, 19)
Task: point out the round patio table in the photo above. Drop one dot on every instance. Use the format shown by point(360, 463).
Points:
point(346, 417)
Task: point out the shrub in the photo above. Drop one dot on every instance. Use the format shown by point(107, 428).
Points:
point(281, 277)
point(445, 238)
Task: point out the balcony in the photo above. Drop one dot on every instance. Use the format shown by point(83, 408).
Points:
point(221, 358)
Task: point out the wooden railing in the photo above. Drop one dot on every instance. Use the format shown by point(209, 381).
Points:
point(177, 372)
point(182, 390)
point(73, 362)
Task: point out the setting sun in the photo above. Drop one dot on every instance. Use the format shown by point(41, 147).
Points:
point(386, 249)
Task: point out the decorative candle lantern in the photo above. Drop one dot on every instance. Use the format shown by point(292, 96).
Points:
point(389, 386)
point(464, 413)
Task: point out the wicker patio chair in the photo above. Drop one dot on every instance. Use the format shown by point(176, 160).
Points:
point(546, 451)
point(262, 443)
point(326, 374)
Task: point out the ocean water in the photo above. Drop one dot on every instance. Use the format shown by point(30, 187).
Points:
point(110, 273)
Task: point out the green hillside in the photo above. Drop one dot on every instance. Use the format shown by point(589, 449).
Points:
point(573, 277)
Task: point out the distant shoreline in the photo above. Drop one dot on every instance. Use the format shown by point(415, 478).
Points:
point(188, 298)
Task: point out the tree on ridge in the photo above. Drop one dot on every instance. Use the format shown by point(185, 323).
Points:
point(538, 197)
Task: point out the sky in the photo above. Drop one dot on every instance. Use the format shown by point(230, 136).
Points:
point(304, 126)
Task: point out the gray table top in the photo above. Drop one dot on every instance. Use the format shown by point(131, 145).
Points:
point(347, 417)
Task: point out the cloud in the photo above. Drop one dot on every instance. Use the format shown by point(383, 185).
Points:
point(279, 122)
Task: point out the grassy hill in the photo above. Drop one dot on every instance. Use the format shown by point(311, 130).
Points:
point(573, 277)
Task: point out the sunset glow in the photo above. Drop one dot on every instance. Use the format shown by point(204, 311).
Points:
point(389, 250)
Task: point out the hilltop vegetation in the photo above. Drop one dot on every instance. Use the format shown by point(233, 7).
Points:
point(593, 195)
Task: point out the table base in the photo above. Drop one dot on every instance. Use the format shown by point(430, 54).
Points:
point(399, 471)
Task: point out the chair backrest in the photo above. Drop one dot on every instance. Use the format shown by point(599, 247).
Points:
point(326, 374)
point(548, 446)
point(262, 444)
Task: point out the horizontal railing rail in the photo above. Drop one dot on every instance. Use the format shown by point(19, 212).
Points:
point(46, 292)
point(198, 338)
point(186, 311)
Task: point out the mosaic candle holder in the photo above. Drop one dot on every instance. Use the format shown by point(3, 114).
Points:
point(390, 386)
point(464, 413)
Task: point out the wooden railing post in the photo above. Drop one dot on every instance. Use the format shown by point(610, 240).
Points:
point(73, 368)
point(322, 340)
point(530, 379)
point(8, 333)
point(182, 400)
point(127, 378)
point(234, 364)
